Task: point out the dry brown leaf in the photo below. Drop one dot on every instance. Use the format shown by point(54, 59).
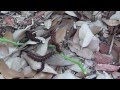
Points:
point(95, 29)
point(16, 63)
point(111, 22)
point(76, 37)
point(60, 34)
point(116, 75)
point(71, 13)
point(57, 60)
point(85, 35)
point(66, 75)
point(28, 72)
point(42, 75)
point(9, 73)
point(103, 58)
point(106, 67)
point(4, 51)
point(9, 21)
point(94, 44)
point(48, 23)
point(84, 52)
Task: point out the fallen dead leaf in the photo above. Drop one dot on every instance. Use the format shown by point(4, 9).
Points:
point(85, 35)
point(57, 60)
point(84, 52)
point(16, 63)
point(48, 23)
point(28, 72)
point(106, 67)
point(94, 44)
point(65, 75)
point(116, 75)
point(71, 13)
point(111, 22)
point(103, 58)
point(42, 75)
point(4, 51)
point(42, 48)
point(9, 73)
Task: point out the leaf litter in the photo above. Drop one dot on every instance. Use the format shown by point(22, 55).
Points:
point(60, 45)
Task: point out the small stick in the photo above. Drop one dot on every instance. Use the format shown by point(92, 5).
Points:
point(110, 49)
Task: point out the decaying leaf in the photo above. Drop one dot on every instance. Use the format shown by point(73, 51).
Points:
point(106, 67)
point(103, 58)
point(85, 35)
point(94, 44)
point(4, 51)
point(9, 73)
point(48, 23)
point(111, 22)
point(116, 16)
point(71, 13)
point(116, 75)
point(57, 60)
point(28, 72)
point(16, 63)
point(42, 75)
point(84, 52)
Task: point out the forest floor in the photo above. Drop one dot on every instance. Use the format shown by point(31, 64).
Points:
point(60, 44)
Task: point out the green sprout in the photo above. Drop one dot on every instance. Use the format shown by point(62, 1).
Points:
point(9, 41)
point(71, 60)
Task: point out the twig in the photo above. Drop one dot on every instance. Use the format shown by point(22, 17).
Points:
point(110, 49)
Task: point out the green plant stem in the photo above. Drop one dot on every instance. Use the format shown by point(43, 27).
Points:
point(8, 41)
point(70, 59)
point(74, 61)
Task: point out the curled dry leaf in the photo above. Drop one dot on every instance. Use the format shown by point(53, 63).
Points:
point(106, 67)
point(66, 75)
point(4, 51)
point(85, 35)
point(16, 63)
point(9, 73)
point(71, 13)
point(48, 23)
point(111, 22)
point(42, 48)
point(94, 44)
point(57, 60)
point(103, 58)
